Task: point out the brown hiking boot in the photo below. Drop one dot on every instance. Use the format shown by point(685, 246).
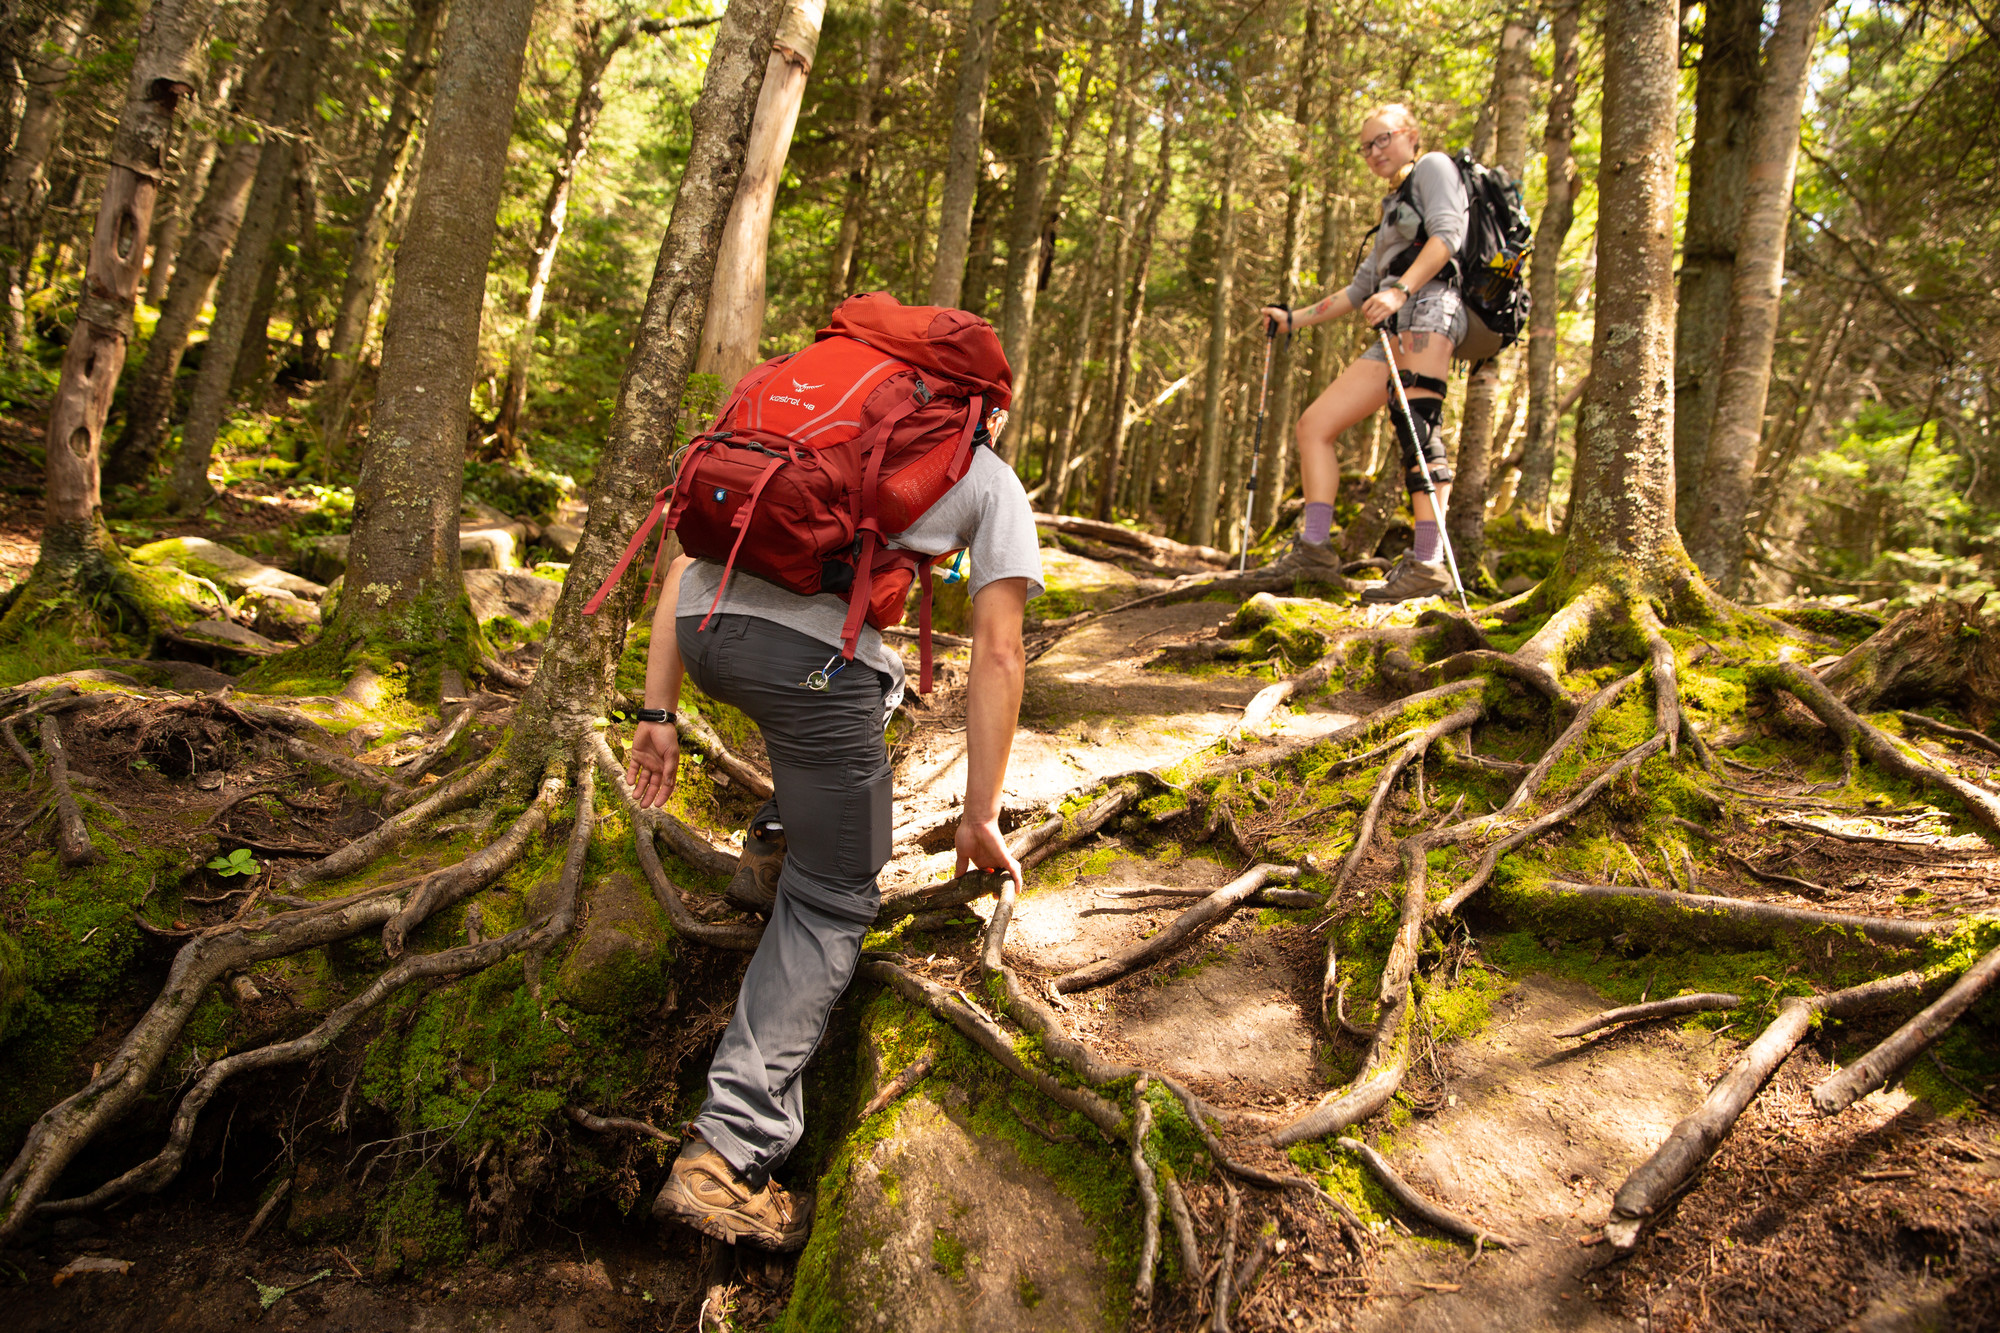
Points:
point(755, 885)
point(1410, 579)
point(702, 1190)
point(1306, 561)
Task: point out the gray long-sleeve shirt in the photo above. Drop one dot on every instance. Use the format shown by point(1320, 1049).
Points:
point(1437, 203)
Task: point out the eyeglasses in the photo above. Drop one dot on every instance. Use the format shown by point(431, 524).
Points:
point(1374, 145)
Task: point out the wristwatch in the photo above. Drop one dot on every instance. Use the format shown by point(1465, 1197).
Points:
point(656, 715)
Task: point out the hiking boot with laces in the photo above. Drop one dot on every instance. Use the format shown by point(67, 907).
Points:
point(1410, 579)
point(1307, 561)
point(754, 887)
point(703, 1191)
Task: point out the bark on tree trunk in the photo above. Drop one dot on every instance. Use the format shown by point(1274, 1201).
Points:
point(243, 283)
point(574, 681)
point(736, 305)
point(861, 150)
point(169, 218)
point(1133, 314)
point(254, 351)
point(77, 551)
point(404, 596)
point(332, 404)
point(962, 161)
point(24, 187)
point(1277, 444)
point(1020, 285)
point(211, 236)
point(1201, 524)
point(1467, 517)
point(1728, 474)
point(1621, 507)
point(1126, 211)
point(1538, 451)
point(1725, 105)
point(594, 56)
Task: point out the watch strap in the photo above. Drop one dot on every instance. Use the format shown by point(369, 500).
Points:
point(656, 715)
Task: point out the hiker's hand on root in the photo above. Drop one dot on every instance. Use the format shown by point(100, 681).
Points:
point(654, 763)
point(980, 844)
point(1383, 305)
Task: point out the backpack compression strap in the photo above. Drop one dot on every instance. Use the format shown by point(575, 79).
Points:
point(631, 552)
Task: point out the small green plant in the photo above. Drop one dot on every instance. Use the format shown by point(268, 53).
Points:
point(238, 862)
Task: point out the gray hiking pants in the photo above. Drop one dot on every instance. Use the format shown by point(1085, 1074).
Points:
point(831, 772)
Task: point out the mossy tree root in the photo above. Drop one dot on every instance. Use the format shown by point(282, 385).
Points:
point(1674, 1006)
point(1977, 739)
point(562, 916)
point(72, 837)
point(706, 741)
point(434, 749)
point(1531, 784)
point(1149, 1197)
point(398, 829)
point(1875, 1069)
point(1417, 1205)
point(443, 888)
point(1690, 1142)
point(1364, 831)
point(1280, 752)
point(1877, 746)
point(1766, 919)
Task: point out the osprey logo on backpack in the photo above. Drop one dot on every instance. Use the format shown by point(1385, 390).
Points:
point(806, 495)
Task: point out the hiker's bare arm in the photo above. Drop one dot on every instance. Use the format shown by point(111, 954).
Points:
point(1305, 316)
point(1430, 261)
point(654, 762)
point(992, 708)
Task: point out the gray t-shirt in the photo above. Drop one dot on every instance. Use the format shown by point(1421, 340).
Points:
point(1437, 203)
point(986, 515)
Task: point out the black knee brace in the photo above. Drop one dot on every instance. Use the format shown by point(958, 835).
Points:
point(1426, 413)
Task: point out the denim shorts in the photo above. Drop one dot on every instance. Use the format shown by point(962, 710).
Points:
point(1436, 308)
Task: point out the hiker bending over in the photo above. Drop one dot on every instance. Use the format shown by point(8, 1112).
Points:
point(813, 852)
point(1406, 279)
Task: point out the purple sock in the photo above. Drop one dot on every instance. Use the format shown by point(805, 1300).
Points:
point(1428, 546)
point(1317, 525)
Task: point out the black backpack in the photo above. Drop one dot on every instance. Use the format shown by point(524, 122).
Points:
point(1488, 268)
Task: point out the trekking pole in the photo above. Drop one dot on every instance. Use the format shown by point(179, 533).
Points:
point(1423, 465)
point(1257, 441)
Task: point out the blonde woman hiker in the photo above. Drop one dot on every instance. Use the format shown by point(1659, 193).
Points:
point(1407, 280)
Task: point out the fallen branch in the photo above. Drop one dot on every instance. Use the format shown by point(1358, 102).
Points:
point(1672, 1007)
point(910, 1075)
point(1906, 1043)
point(1772, 877)
point(1691, 1141)
point(1195, 921)
point(607, 1124)
point(1880, 929)
point(72, 837)
point(1164, 549)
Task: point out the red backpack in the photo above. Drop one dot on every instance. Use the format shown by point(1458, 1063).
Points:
point(820, 455)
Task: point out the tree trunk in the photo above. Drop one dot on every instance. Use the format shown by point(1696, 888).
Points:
point(306, 287)
point(149, 400)
point(861, 151)
point(1538, 452)
point(24, 186)
point(78, 557)
point(333, 403)
point(1326, 336)
point(962, 160)
point(236, 302)
point(1201, 524)
point(1621, 506)
point(736, 305)
point(1133, 314)
point(1467, 516)
point(1725, 105)
point(594, 57)
point(1729, 472)
point(170, 217)
point(405, 597)
point(253, 355)
point(1277, 443)
point(1125, 210)
point(1020, 285)
point(575, 679)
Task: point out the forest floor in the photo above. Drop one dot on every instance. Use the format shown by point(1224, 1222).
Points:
point(1886, 1218)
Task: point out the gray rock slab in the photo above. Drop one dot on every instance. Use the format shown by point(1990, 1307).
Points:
point(232, 571)
point(229, 634)
point(514, 593)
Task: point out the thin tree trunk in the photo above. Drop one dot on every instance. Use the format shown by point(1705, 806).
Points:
point(1020, 285)
point(1277, 444)
point(736, 305)
point(1725, 105)
point(1201, 524)
point(1326, 336)
point(1621, 507)
point(168, 219)
point(961, 175)
point(405, 597)
point(594, 57)
point(1125, 213)
point(253, 354)
point(575, 678)
point(1538, 451)
point(1729, 473)
point(77, 551)
point(306, 288)
point(1072, 410)
point(1467, 516)
point(861, 149)
point(149, 399)
point(236, 302)
point(24, 186)
point(1134, 314)
point(359, 291)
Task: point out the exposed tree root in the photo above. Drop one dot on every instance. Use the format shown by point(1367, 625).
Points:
point(1224, 1264)
point(1149, 1197)
point(426, 758)
point(20, 751)
point(1672, 1007)
point(1906, 1043)
point(562, 916)
point(72, 838)
point(612, 1124)
point(1364, 831)
point(1691, 1141)
point(442, 888)
point(318, 756)
point(1531, 785)
point(393, 832)
point(704, 738)
point(1216, 907)
point(1417, 1205)
point(1978, 740)
point(1184, 1236)
point(1879, 748)
point(1269, 756)
point(1769, 918)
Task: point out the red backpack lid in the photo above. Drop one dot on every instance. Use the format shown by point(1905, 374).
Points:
point(957, 352)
